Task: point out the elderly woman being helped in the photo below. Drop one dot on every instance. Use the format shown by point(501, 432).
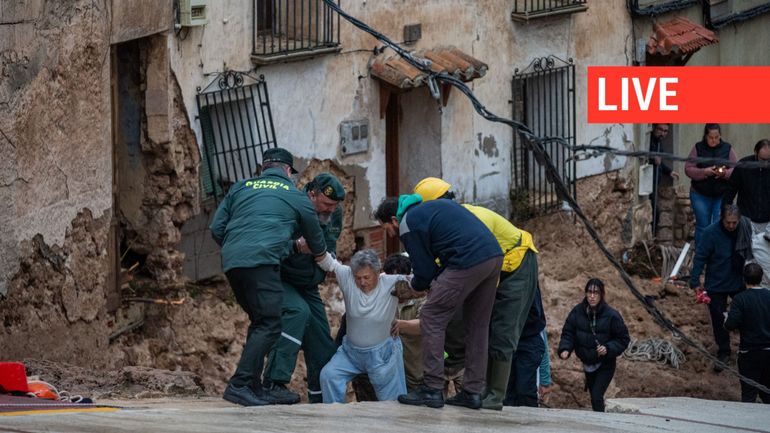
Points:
point(368, 346)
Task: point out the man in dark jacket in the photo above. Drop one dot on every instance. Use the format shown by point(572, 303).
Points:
point(662, 168)
point(597, 335)
point(254, 224)
point(455, 256)
point(716, 252)
point(750, 314)
point(752, 186)
point(304, 324)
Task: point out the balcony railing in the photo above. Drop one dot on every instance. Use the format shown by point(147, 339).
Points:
point(525, 10)
point(292, 29)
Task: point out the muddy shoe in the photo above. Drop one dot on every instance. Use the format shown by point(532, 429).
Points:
point(423, 396)
point(465, 399)
point(724, 359)
point(277, 393)
point(243, 395)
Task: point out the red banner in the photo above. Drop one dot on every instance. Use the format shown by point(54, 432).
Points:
point(691, 94)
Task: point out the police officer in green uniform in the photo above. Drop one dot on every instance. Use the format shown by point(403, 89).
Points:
point(304, 324)
point(254, 225)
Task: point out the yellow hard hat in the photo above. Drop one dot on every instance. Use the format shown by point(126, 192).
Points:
point(431, 188)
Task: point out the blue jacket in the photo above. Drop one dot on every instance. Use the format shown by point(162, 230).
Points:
point(444, 230)
point(716, 251)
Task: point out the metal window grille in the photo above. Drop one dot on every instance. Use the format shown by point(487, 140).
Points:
point(544, 100)
point(524, 10)
point(237, 126)
point(293, 26)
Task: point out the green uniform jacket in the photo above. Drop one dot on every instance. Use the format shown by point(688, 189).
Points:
point(257, 219)
point(300, 270)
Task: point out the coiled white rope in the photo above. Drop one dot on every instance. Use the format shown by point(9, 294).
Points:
point(655, 349)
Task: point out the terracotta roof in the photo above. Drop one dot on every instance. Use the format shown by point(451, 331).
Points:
point(397, 72)
point(679, 37)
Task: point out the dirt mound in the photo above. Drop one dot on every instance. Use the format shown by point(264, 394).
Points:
point(127, 382)
point(569, 257)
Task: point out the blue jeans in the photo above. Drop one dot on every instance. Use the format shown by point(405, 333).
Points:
point(384, 363)
point(706, 211)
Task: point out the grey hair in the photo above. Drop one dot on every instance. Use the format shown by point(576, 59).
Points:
point(365, 258)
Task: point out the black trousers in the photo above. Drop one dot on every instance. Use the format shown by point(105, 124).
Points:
point(597, 383)
point(717, 308)
point(522, 383)
point(755, 364)
point(260, 293)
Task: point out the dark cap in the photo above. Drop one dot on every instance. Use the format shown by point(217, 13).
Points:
point(278, 154)
point(330, 186)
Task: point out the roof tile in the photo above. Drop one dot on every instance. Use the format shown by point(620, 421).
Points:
point(679, 37)
point(397, 72)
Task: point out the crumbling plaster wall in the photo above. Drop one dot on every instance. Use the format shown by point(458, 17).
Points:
point(57, 177)
point(169, 193)
point(56, 182)
point(56, 147)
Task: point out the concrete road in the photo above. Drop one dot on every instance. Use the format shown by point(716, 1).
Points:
point(215, 415)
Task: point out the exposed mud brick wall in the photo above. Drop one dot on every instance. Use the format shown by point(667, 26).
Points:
point(55, 180)
point(170, 158)
point(684, 218)
point(55, 308)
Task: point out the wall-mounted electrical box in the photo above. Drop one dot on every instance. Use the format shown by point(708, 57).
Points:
point(412, 33)
point(354, 136)
point(193, 13)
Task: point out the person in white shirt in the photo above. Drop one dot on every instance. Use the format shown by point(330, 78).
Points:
point(368, 346)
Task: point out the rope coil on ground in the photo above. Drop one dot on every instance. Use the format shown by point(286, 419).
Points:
point(655, 349)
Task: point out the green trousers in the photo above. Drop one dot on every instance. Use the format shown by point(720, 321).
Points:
point(304, 325)
point(513, 299)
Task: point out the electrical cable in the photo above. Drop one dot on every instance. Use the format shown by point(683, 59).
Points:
point(535, 144)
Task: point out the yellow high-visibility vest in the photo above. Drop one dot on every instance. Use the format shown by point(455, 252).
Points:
point(514, 241)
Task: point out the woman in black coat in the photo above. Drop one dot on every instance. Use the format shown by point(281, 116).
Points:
point(598, 335)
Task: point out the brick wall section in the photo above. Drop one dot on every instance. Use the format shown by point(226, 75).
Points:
point(372, 237)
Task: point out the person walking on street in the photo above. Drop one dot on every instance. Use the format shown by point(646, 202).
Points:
point(750, 315)
point(717, 253)
point(470, 259)
point(304, 324)
point(709, 182)
point(598, 335)
point(254, 225)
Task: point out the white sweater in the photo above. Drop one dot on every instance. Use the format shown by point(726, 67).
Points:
point(369, 315)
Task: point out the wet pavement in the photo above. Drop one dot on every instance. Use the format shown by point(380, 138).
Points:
point(215, 415)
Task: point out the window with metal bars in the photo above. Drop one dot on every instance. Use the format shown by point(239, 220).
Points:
point(544, 100)
point(237, 126)
point(525, 10)
point(293, 29)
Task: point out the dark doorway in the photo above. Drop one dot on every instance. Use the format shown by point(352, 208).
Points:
point(128, 171)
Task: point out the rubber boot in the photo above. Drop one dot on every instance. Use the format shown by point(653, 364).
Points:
point(498, 372)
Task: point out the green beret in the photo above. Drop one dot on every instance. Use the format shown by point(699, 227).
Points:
point(330, 186)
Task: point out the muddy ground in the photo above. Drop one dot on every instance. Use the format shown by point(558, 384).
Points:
point(191, 347)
